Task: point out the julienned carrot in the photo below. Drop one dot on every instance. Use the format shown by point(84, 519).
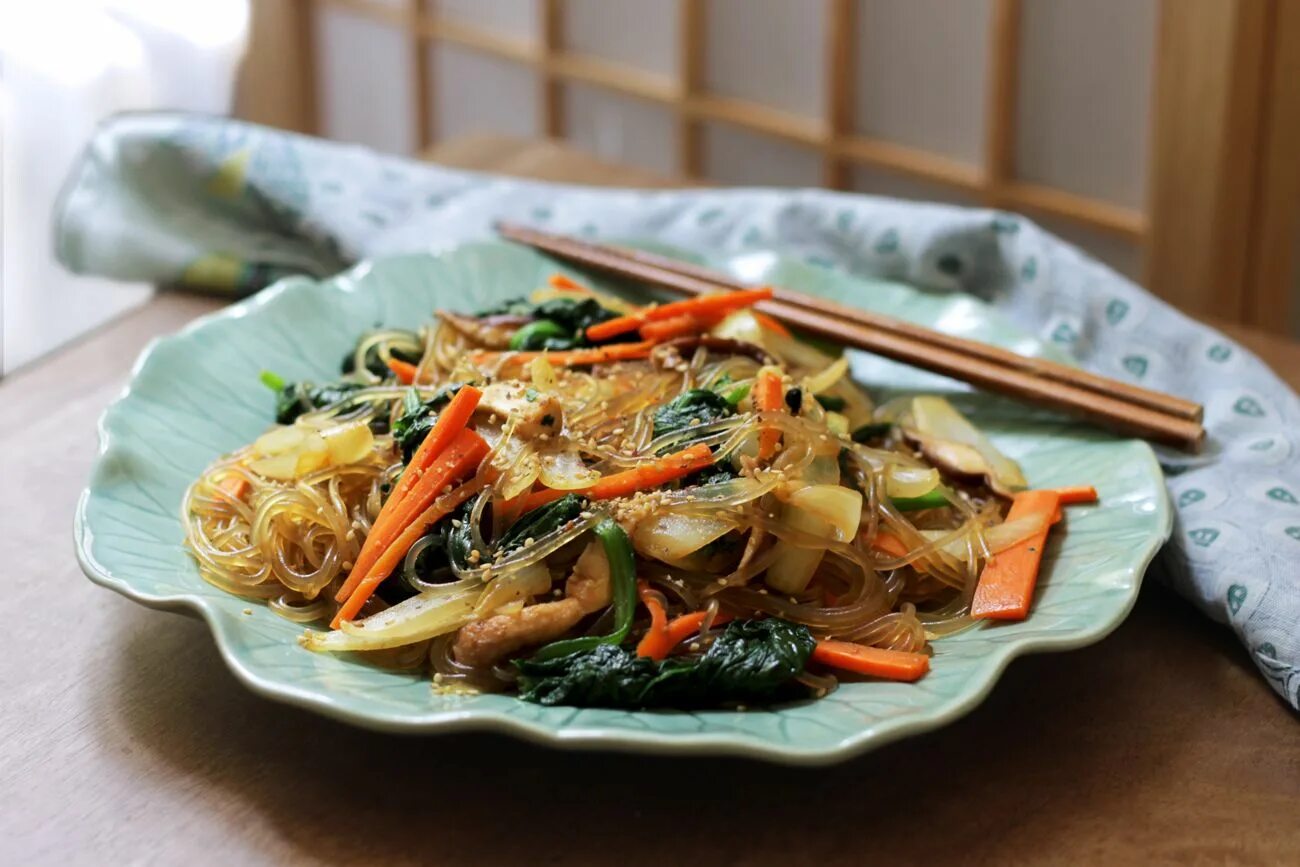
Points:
point(888, 543)
point(660, 640)
point(450, 424)
point(768, 397)
point(771, 323)
point(700, 305)
point(678, 326)
point(235, 487)
point(643, 478)
point(559, 281)
point(403, 370)
point(467, 450)
point(572, 357)
point(455, 415)
point(394, 553)
point(1006, 586)
point(652, 643)
point(871, 661)
point(1076, 495)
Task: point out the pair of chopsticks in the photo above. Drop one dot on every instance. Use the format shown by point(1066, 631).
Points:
point(1109, 403)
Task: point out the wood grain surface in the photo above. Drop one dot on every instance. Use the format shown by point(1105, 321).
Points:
point(124, 739)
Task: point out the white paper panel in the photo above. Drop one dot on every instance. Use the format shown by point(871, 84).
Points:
point(767, 51)
point(476, 93)
point(363, 81)
point(921, 73)
point(734, 156)
point(630, 32)
point(620, 129)
point(516, 18)
point(881, 183)
point(1085, 95)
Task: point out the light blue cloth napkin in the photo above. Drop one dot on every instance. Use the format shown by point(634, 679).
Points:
point(209, 201)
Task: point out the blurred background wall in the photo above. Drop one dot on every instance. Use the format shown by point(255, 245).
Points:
point(1163, 136)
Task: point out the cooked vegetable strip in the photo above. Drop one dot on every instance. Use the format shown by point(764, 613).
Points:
point(657, 644)
point(652, 643)
point(769, 396)
point(646, 477)
point(1006, 586)
point(772, 324)
point(571, 357)
point(622, 579)
point(930, 500)
point(451, 423)
point(235, 487)
point(559, 281)
point(871, 661)
point(678, 326)
point(1077, 495)
point(701, 305)
point(396, 552)
point(403, 370)
point(888, 543)
point(457, 461)
point(454, 416)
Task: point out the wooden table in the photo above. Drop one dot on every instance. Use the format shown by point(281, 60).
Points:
point(123, 738)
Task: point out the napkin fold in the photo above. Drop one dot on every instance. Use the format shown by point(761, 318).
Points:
point(197, 200)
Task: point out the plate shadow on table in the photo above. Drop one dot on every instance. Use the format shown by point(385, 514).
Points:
point(1036, 764)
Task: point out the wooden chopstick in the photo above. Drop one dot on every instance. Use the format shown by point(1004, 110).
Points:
point(1119, 406)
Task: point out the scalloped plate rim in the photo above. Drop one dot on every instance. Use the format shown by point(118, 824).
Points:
point(745, 745)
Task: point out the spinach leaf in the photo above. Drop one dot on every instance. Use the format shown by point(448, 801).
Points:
point(576, 315)
point(375, 364)
point(543, 334)
point(295, 398)
point(417, 418)
point(713, 474)
point(540, 521)
point(449, 545)
point(831, 402)
point(871, 431)
point(752, 661)
point(697, 404)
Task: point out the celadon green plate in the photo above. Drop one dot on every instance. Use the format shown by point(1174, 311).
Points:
point(196, 395)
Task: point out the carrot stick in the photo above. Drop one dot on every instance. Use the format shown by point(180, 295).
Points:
point(457, 414)
point(1076, 495)
point(768, 397)
point(888, 543)
point(678, 326)
point(559, 281)
point(571, 357)
point(871, 661)
point(451, 422)
point(403, 370)
point(772, 324)
point(1006, 586)
point(235, 487)
point(653, 641)
point(701, 305)
point(465, 451)
point(396, 552)
point(643, 478)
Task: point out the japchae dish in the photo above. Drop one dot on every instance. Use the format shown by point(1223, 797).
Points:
point(591, 503)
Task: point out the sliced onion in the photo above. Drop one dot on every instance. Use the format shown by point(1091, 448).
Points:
point(902, 481)
point(819, 382)
point(416, 619)
point(518, 586)
point(279, 440)
point(998, 538)
point(563, 470)
point(348, 443)
point(543, 375)
point(671, 536)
